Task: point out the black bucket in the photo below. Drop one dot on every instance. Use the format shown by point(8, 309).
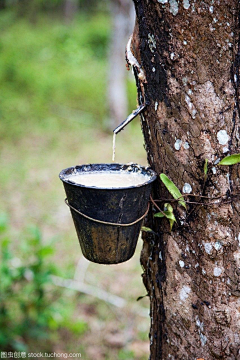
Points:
point(108, 221)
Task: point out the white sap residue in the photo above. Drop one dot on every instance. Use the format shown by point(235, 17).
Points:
point(109, 179)
point(114, 146)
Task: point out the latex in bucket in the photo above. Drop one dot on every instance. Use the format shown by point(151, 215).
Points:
point(104, 243)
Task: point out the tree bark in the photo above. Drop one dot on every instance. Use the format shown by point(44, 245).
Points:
point(190, 54)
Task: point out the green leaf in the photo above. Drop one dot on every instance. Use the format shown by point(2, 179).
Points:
point(168, 207)
point(230, 160)
point(173, 190)
point(146, 229)
point(159, 214)
point(168, 213)
point(205, 168)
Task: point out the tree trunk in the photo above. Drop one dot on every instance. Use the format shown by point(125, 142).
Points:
point(122, 13)
point(189, 52)
point(2, 4)
point(70, 9)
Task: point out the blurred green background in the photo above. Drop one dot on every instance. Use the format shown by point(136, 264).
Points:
point(54, 113)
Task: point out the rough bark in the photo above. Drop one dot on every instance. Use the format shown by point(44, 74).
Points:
point(190, 53)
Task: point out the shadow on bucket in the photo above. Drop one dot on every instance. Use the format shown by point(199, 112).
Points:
point(108, 216)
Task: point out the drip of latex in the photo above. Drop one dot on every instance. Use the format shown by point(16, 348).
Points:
point(114, 147)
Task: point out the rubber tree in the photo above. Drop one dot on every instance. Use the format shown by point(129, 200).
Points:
point(186, 57)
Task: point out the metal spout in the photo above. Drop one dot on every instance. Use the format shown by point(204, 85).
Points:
point(129, 118)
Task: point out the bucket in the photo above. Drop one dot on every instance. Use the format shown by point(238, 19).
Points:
point(107, 220)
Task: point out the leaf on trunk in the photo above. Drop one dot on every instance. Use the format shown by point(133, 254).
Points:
point(173, 190)
point(205, 168)
point(146, 229)
point(160, 215)
point(171, 217)
point(230, 160)
point(168, 213)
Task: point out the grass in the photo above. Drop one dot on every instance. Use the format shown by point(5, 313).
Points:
point(53, 114)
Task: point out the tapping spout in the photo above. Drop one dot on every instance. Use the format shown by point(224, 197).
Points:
point(129, 118)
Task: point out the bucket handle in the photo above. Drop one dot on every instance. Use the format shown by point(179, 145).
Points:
point(106, 222)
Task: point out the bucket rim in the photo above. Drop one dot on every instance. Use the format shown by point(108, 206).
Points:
point(147, 169)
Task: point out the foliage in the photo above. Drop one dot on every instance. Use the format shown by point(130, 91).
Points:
point(205, 168)
point(30, 307)
point(168, 213)
point(54, 72)
point(146, 229)
point(173, 190)
point(230, 160)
